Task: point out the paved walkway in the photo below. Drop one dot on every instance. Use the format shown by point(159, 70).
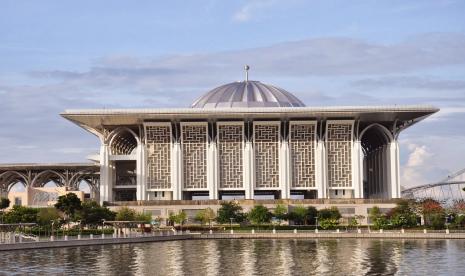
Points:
point(97, 240)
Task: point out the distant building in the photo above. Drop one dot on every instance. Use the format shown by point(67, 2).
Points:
point(40, 196)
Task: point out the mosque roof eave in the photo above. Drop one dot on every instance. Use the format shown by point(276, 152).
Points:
point(93, 119)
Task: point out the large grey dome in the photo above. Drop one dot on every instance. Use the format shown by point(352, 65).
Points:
point(247, 94)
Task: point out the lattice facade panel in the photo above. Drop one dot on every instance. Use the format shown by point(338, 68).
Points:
point(230, 155)
point(194, 152)
point(266, 150)
point(302, 152)
point(158, 142)
point(339, 150)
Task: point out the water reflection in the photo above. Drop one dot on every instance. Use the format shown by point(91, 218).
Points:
point(246, 257)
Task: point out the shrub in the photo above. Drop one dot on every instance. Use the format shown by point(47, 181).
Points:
point(299, 215)
point(125, 214)
point(377, 218)
point(92, 213)
point(21, 214)
point(280, 213)
point(328, 223)
point(205, 216)
point(312, 213)
point(259, 215)
point(46, 215)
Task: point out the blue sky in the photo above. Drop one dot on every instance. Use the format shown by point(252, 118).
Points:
point(57, 55)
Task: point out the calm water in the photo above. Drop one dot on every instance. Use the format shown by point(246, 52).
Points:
point(246, 257)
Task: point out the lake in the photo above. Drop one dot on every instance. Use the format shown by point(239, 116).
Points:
point(246, 257)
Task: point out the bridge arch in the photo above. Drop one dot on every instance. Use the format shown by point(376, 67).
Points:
point(42, 178)
point(90, 179)
point(9, 178)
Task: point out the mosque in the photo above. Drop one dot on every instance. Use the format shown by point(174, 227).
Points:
point(242, 140)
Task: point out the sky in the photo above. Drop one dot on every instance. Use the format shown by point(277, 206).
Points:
point(58, 55)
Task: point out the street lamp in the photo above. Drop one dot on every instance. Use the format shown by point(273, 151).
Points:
point(103, 226)
point(80, 227)
point(230, 223)
point(53, 223)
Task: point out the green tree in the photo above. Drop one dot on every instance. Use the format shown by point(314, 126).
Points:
point(433, 213)
point(92, 213)
point(21, 214)
point(144, 217)
point(329, 213)
point(46, 215)
point(205, 216)
point(125, 214)
point(172, 218)
point(378, 219)
point(280, 213)
point(69, 204)
point(298, 215)
point(403, 215)
point(328, 218)
point(312, 213)
point(179, 218)
point(230, 210)
point(4, 203)
point(259, 214)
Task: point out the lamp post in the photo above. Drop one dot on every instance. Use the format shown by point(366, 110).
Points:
point(103, 228)
point(230, 223)
point(316, 222)
point(80, 226)
point(53, 223)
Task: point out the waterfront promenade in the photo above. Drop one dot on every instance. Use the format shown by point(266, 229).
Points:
point(171, 236)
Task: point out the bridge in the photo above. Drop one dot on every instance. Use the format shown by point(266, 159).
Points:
point(69, 175)
point(447, 191)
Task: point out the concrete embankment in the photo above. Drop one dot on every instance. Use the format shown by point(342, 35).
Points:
point(87, 242)
point(206, 236)
point(327, 235)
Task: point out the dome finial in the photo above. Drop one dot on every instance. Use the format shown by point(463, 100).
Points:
point(246, 68)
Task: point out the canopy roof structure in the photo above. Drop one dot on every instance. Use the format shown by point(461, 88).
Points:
point(94, 119)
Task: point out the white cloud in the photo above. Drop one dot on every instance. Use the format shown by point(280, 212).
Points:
point(251, 9)
point(418, 162)
point(418, 156)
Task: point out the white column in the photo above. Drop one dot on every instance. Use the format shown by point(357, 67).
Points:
point(105, 173)
point(320, 168)
point(249, 170)
point(357, 169)
point(394, 169)
point(284, 175)
point(141, 170)
point(376, 173)
point(212, 170)
point(386, 186)
point(176, 170)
